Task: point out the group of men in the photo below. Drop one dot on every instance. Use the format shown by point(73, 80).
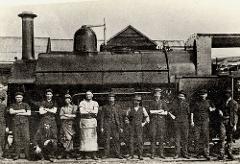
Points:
point(112, 122)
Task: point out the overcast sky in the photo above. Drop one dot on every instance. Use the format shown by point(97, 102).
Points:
point(158, 19)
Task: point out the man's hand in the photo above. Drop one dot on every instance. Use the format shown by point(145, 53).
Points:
point(220, 113)
point(143, 124)
point(38, 149)
point(102, 130)
point(42, 111)
point(127, 121)
point(46, 142)
point(212, 109)
point(121, 130)
point(192, 123)
point(7, 129)
point(234, 128)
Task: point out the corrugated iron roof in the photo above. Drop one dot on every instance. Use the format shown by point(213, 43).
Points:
point(11, 47)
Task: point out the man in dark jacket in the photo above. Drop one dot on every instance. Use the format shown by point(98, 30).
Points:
point(111, 126)
point(228, 123)
point(180, 109)
point(45, 141)
point(200, 119)
point(20, 112)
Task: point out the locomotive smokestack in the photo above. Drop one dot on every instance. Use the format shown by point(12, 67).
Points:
point(27, 35)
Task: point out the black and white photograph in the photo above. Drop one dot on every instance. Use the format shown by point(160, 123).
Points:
point(120, 81)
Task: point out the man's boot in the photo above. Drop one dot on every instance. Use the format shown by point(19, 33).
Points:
point(177, 153)
point(186, 156)
point(229, 152)
point(207, 157)
point(152, 154)
point(176, 156)
point(140, 157)
point(161, 155)
point(16, 157)
point(94, 156)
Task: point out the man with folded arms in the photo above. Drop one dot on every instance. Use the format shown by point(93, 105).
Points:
point(20, 112)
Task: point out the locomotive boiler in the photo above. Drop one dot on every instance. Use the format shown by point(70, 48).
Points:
point(86, 68)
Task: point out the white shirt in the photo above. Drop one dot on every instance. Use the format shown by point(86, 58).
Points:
point(86, 107)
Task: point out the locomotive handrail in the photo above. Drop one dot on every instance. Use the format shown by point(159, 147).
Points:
point(116, 93)
point(76, 71)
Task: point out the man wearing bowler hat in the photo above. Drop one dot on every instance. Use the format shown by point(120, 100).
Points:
point(137, 117)
point(200, 120)
point(228, 124)
point(20, 112)
point(180, 109)
point(158, 112)
point(111, 126)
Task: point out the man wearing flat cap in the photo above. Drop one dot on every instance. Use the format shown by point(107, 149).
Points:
point(158, 112)
point(88, 125)
point(228, 114)
point(2, 124)
point(20, 112)
point(137, 117)
point(67, 131)
point(48, 110)
point(111, 126)
point(200, 120)
point(180, 109)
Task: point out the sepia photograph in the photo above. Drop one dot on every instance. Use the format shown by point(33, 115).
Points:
point(120, 81)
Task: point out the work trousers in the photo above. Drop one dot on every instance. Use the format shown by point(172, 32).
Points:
point(157, 132)
point(2, 138)
point(226, 130)
point(136, 132)
point(111, 131)
point(181, 137)
point(202, 130)
point(21, 138)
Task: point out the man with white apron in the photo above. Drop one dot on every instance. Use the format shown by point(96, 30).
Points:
point(88, 125)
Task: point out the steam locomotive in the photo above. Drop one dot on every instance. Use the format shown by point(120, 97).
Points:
point(188, 68)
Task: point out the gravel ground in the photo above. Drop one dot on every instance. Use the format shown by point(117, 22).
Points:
point(125, 161)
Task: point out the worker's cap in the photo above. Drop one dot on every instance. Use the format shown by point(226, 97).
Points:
point(181, 93)
point(49, 90)
point(137, 97)
point(19, 94)
point(67, 96)
point(89, 93)
point(202, 92)
point(111, 95)
point(157, 92)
